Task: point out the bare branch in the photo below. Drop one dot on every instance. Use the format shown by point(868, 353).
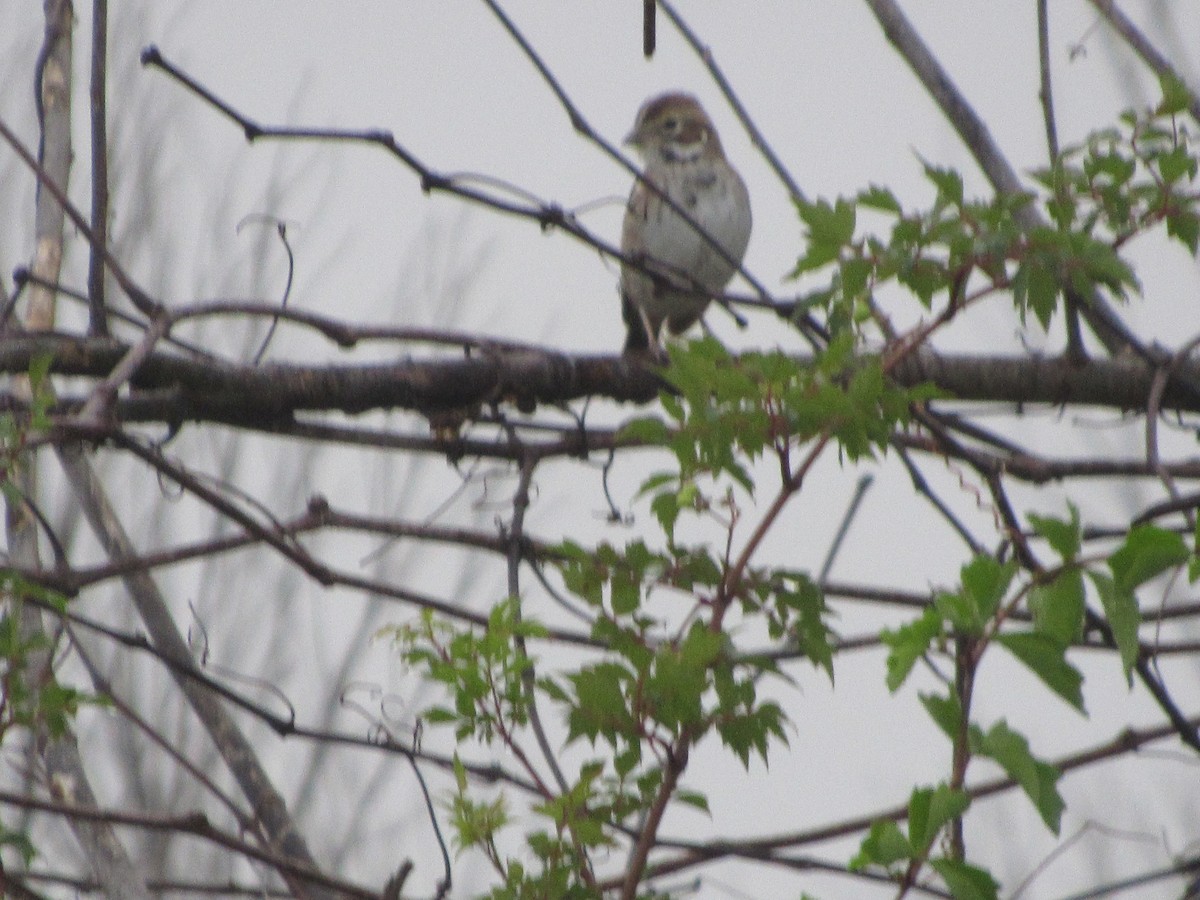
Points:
point(196, 824)
point(696, 853)
point(237, 752)
point(1141, 45)
point(98, 322)
point(756, 136)
point(59, 752)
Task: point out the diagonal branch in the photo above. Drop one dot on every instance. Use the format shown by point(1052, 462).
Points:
point(1141, 45)
point(1109, 328)
point(236, 751)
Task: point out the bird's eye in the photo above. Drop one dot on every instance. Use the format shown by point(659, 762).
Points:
point(671, 124)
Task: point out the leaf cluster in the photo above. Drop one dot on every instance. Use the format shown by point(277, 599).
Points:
point(1096, 197)
point(961, 624)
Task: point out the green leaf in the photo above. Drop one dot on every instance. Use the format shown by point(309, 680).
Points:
point(656, 481)
point(1176, 97)
point(1058, 607)
point(1176, 163)
point(966, 882)
point(829, 228)
point(20, 842)
point(675, 688)
point(665, 507)
point(949, 184)
point(694, 799)
point(909, 643)
point(1064, 535)
point(884, 845)
point(580, 572)
point(752, 731)
point(1124, 617)
point(929, 809)
point(1184, 226)
point(799, 607)
point(602, 708)
point(925, 277)
point(1039, 780)
point(986, 581)
point(1194, 563)
point(626, 593)
point(946, 712)
point(1046, 658)
point(701, 647)
point(856, 274)
point(1040, 290)
point(1147, 551)
point(880, 198)
point(39, 369)
point(649, 430)
point(829, 224)
point(1102, 265)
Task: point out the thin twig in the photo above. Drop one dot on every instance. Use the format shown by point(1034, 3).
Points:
point(516, 553)
point(921, 486)
point(695, 853)
point(1075, 347)
point(198, 825)
point(97, 321)
point(463, 186)
point(281, 230)
point(860, 491)
point(1045, 91)
point(718, 75)
point(141, 299)
point(648, 28)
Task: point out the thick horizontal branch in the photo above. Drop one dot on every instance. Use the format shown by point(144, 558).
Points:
point(169, 387)
point(173, 388)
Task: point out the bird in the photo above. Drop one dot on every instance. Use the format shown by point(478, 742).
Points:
point(672, 263)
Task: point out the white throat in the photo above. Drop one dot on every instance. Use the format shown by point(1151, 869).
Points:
point(683, 153)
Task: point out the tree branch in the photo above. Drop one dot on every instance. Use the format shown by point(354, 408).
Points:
point(170, 388)
point(1109, 328)
point(1149, 54)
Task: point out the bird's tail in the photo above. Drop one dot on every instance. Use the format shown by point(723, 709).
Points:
point(637, 334)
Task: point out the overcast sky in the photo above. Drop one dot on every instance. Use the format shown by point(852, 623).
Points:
point(841, 110)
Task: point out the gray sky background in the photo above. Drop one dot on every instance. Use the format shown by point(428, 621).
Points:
point(842, 111)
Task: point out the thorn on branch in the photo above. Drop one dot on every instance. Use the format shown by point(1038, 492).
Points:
point(382, 136)
point(579, 123)
point(431, 181)
point(151, 56)
point(552, 216)
point(391, 891)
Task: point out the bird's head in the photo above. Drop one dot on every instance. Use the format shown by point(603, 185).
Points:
point(674, 127)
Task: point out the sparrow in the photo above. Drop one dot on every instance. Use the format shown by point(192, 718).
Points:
point(670, 269)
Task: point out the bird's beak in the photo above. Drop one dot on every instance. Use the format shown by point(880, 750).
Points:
point(633, 139)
